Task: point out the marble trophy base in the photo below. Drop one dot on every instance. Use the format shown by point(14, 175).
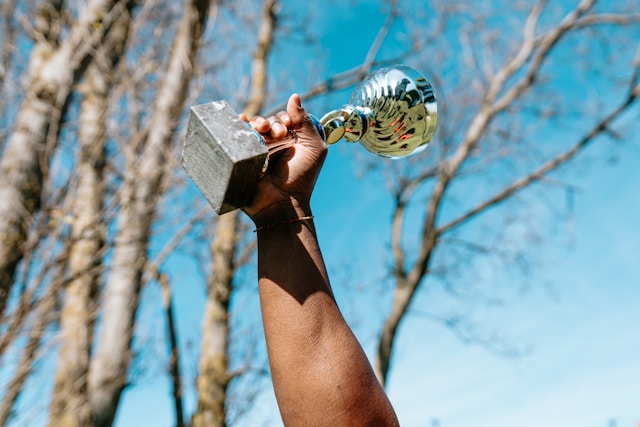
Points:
point(223, 156)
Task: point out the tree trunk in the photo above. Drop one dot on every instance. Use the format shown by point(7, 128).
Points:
point(70, 402)
point(53, 71)
point(213, 374)
point(174, 361)
point(109, 366)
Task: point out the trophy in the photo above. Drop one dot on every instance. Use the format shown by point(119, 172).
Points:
point(392, 113)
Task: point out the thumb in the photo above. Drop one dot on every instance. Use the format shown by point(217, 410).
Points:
point(300, 119)
point(296, 110)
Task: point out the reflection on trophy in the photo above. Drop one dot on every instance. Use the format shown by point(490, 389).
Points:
point(392, 113)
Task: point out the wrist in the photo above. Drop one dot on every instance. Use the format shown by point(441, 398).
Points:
point(281, 212)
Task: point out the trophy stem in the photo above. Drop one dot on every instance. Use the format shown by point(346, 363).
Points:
point(348, 122)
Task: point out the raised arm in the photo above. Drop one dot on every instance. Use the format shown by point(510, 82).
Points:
point(320, 373)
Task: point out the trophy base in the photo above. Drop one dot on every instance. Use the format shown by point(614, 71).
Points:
point(223, 156)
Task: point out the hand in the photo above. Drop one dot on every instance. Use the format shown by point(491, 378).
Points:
point(292, 173)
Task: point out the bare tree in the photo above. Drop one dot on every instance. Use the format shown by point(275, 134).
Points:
point(70, 403)
point(109, 366)
point(498, 94)
point(213, 376)
point(54, 67)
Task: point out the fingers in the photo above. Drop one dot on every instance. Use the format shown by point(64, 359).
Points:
point(277, 126)
point(285, 119)
point(259, 124)
point(278, 129)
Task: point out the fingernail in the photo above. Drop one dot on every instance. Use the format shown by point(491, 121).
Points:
point(298, 101)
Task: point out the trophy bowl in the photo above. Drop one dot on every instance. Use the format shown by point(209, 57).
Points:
point(392, 113)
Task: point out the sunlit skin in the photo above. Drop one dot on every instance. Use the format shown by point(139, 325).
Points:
point(321, 375)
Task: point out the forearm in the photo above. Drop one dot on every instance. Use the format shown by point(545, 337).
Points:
point(321, 375)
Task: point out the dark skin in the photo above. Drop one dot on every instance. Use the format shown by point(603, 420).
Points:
point(321, 375)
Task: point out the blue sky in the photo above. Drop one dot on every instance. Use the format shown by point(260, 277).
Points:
point(576, 314)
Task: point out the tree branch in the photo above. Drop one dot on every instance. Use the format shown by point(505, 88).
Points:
point(545, 45)
point(44, 315)
point(380, 38)
point(607, 18)
point(601, 127)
